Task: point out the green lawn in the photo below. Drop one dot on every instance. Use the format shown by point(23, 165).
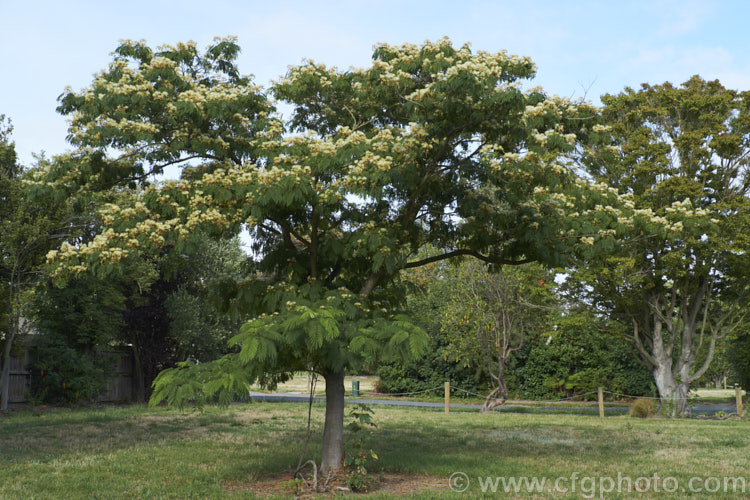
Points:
point(301, 383)
point(159, 453)
point(717, 395)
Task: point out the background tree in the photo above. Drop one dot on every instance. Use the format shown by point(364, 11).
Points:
point(682, 152)
point(739, 357)
point(30, 227)
point(173, 315)
point(198, 328)
point(432, 286)
point(73, 323)
point(720, 370)
point(567, 353)
point(489, 315)
point(430, 146)
point(161, 308)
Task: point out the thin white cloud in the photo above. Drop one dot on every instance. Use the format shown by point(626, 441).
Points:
point(681, 18)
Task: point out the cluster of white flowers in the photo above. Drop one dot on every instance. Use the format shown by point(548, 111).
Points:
point(558, 169)
point(558, 197)
point(625, 221)
point(419, 94)
point(537, 110)
point(607, 209)
point(225, 178)
point(370, 159)
point(643, 212)
point(541, 138)
point(322, 147)
point(112, 255)
point(161, 62)
point(193, 96)
point(227, 92)
point(210, 217)
point(269, 177)
point(274, 129)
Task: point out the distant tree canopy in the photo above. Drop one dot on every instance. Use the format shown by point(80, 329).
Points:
point(30, 227)
point(490, 314)
point(682, 152)
point(566, 352)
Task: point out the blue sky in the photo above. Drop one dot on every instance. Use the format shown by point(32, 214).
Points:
point(582, 47)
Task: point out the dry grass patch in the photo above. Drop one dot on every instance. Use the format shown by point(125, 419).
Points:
point(389, 483)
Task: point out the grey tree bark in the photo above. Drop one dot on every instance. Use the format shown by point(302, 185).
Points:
point(674, 334)
point(333, 432)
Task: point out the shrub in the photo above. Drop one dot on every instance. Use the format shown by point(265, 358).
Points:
point(576, 358)
point(62, 375)
point(642, 408)
point(430, 371)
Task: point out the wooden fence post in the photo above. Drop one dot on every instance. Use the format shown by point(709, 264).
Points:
point(738, 394)
point(447, 397)
point(600, 392)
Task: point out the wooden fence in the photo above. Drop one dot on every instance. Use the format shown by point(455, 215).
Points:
point(120, 386)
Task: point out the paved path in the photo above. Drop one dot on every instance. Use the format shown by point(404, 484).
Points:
point(296, 397)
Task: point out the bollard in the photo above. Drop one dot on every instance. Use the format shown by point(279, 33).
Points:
point(447, 397)
point(600, 392)
point(355, 388)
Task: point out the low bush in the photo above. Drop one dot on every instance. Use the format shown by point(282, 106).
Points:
point(642, 408)
point(62, 375)
point(430, 371)
point(575, 358)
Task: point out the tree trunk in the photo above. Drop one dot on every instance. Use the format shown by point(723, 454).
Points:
point(492, 401)
point(140, 387)
point(333, 432)
point(5, 377)
point(501, 388)
point(672, 392)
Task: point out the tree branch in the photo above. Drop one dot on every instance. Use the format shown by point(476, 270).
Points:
point(470, 253)
point(647, 358)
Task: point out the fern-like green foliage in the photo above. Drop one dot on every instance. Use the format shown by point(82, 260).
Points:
point(319, 330)
point(196, 384)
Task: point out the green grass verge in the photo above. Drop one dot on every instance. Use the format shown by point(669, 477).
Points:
point(160, 453)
